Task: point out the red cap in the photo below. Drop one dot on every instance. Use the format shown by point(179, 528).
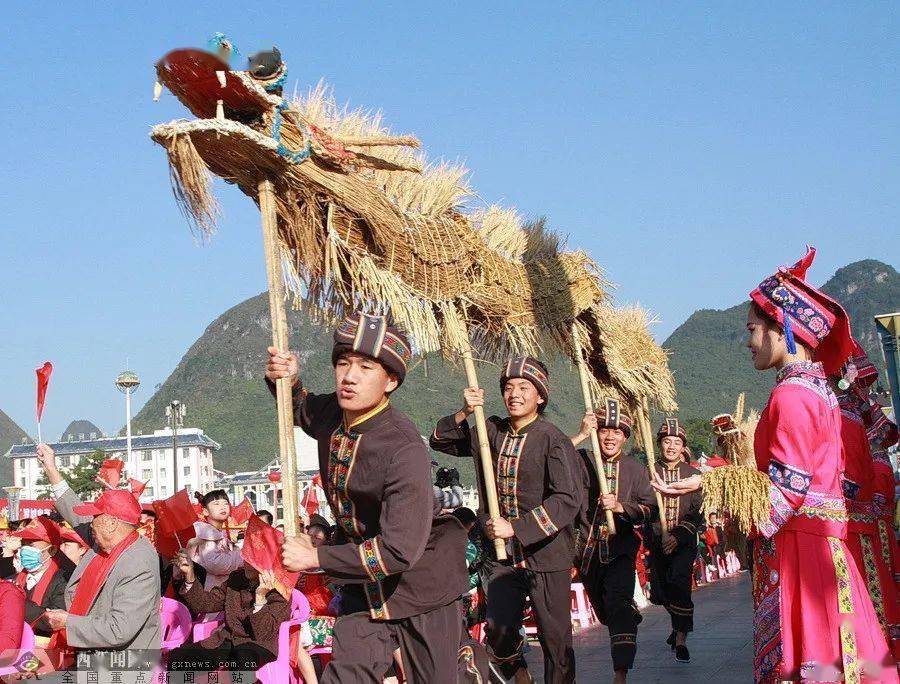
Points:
point(42, 529)
point(119, 503)
point(67, 534)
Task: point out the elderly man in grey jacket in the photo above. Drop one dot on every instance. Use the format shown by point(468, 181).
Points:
point(112, 598)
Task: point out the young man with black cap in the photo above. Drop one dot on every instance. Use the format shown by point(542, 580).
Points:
point(672, 557)
point(403, 570)
point(539, 499)
point(607, 563)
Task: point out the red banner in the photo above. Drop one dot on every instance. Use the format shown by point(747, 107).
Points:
point(175, 518)
point(110, 472)
point(242, 512)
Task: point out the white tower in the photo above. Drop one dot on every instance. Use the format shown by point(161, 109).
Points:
point(126, 383)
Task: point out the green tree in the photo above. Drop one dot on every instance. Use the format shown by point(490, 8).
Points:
point(80, 476)
point(700, 436)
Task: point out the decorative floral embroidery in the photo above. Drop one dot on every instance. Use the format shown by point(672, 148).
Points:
point(371, 559)
point(779, 513)
point(599, 534)
point(842, 573)
point(672, 504)
point(850, 488)
point(824, 507)
point(848, 653)
point(797, 307)
point(508, 473)
point(810, 375)
point(544, 521)
point(378, 609)
point(884, 536)
point(766, 612)
point(790, 478)
point(879, 505)
point(873, 581)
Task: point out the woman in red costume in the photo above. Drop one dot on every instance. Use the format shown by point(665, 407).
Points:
point(813, 618)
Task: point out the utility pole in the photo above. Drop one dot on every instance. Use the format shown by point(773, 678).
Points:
point(888, 326)
point(175, 413)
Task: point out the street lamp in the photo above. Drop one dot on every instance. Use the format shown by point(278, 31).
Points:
point(888, 326)
point(175, 413)
point(126, 383)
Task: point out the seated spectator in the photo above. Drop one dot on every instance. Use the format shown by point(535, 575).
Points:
point(72, 545)
point(318, 631)
point(45, 572)
point(12, 598)
point(112, 599)
point(254, 611)
point(212, 548)
point(265, 516)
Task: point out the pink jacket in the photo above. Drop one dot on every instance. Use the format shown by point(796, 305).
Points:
point(218, 555)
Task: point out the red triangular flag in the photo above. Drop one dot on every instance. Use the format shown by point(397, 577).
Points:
point(262, 550)
point(43, 380)
point(242, 512)
point(175, 518)
point(137, 487)
point(110, 473)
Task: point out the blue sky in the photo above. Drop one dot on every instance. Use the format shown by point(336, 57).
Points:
point(690, 148)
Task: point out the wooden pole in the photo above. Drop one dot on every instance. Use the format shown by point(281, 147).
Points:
point(647, 437)
point(286, 448)
point(595, 441)
point(484, 446)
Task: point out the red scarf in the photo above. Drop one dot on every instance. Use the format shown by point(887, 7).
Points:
point(90, 583)
point(37, 595)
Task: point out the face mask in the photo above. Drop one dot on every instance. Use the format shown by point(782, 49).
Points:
point(30, 558)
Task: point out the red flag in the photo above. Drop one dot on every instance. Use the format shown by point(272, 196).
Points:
point(242, 512)
point(317, 479)
point(43, 380)
point(137, 487)
point(175, 518)
point(311, 499)
point(110, 473)
point(262, 550)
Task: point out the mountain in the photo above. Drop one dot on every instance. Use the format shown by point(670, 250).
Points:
point(712, 365)
point(10, 434)
point(220, 380)
point(80, 427)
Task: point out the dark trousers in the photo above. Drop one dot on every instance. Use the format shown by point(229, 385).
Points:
point(429, 647)
point(670, 584)
point(610, 587)
point(247, 657)
point(507, 588)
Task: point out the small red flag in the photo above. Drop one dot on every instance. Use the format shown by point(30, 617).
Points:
point(43, 380)
point(311, 499)
point(242, 512)
point(110, 473)
point(137, 487)
point(175, 518)
point(262, 550)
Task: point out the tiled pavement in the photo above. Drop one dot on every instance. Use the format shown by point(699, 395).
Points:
point(721, 647)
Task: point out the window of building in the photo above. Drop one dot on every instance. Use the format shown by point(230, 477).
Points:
point(163, 492)
point(146, 475)
point(23, 481)
point(65, 461)
point(146, 456)
point(149, 491)
point(162, 472)
point(187, 471)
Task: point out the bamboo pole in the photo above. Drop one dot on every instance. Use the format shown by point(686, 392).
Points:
point(647, 438)
point(286, 448)
point(595, 441)
point(484, 446)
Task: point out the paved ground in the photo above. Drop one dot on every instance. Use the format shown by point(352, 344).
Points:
point(721, 648)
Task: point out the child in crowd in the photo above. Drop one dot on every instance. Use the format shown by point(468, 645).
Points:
point(212, 548)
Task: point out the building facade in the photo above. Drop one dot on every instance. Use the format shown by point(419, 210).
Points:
point(152, 461)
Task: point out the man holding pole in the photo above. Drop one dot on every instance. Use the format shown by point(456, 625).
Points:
point(607, 562)
point(403, 570)
point(672, 555)
point(539, 499)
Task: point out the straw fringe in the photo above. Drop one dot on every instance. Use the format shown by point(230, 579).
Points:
point(191, 183)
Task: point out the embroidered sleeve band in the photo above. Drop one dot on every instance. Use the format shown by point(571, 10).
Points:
point(370, 556)
point(544, 521)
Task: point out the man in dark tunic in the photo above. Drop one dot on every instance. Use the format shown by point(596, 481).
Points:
point(672, 555)
point(539, 498)
point(403, 570)
point(607, 563)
